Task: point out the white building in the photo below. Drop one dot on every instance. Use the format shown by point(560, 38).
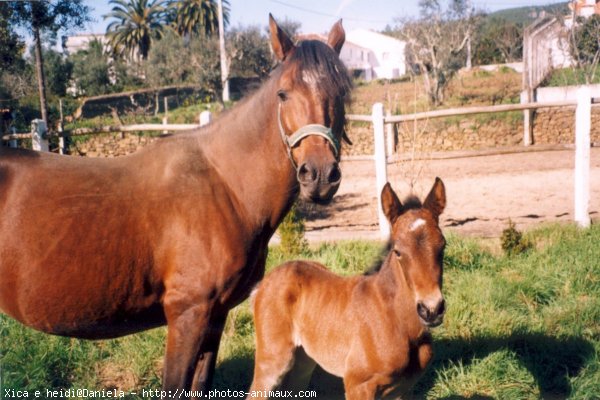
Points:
point(585, 8)
point(74, 43)
point(372, 55)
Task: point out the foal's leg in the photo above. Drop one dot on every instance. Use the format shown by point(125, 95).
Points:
point(357, 388)
point(274, 358)
point(298, 378)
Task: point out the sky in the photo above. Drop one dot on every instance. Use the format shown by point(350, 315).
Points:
point(317, 16)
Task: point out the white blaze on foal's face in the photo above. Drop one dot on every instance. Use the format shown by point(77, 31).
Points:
point(418, 223)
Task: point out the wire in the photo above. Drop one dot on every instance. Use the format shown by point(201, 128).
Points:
point(324, 14)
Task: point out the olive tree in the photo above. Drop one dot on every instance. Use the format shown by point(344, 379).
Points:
point(435, 43)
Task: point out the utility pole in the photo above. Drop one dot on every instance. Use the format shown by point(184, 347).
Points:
point(470, 21)
point(224, 66)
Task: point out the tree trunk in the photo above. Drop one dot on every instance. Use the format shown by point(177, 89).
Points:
point(469, 54)
point(39, 66)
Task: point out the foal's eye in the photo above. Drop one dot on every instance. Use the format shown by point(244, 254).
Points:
point(397, 253)
point(282, 94)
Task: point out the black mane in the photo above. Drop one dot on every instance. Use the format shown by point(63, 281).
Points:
point(412, 203)
point(316, 56)
point(334, 81)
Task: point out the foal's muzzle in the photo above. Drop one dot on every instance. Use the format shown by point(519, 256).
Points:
point(431, 317)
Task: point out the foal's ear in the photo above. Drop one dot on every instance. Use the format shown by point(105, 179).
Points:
point(392, 208)
point(336, 37)
point(280, 40)
point(436, 199)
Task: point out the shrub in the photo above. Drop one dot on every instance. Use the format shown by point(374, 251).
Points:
point(291, 231)
point(513, 242)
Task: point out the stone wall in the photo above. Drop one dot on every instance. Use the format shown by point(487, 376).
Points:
point(550, 126)
point(557, 126)
point(471, 133)
point(109, 145)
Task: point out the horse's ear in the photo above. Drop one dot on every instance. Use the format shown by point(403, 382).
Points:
point(336, 37)
point(392, 208)
point(436, 199)
point(280, 40)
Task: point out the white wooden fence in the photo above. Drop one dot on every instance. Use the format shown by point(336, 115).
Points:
point(381, 157)
point(582, 144)
point(39, 132)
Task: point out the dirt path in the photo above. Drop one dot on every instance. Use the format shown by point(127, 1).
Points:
point(483, 193)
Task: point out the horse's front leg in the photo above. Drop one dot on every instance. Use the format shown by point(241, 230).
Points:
point(187, 329)
point(207, 357)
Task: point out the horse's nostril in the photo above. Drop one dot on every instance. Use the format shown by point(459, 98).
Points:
point(334, 174)
point(441, 308)
point(423, 311)
point(306, 174)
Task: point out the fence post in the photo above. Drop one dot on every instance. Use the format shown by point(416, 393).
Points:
point(205, 118)
point(527, 119)
point(13, 142)
point(39, 141)
point(165, 119)
point(583, 124)
point(61, 127)
point(380, 165)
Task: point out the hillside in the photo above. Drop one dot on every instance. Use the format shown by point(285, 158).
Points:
point(527, 14)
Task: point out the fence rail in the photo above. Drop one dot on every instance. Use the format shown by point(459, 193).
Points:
point(205, 118)
point(582, 143)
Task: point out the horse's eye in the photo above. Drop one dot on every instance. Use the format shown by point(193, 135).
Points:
point(282, 94)
point(397, 253)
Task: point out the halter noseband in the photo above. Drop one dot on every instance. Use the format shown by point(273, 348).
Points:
point(307, 130)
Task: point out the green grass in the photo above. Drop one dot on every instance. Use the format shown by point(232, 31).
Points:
point(186, 114)
point(572, 76)
point(520, 327)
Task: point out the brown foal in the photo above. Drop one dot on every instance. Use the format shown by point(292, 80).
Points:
point(176, 233)
point(371, 330)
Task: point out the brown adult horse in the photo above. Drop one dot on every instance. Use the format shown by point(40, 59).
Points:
point(177, 233)
point(371, 329)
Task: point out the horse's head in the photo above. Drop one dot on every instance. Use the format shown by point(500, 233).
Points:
point(312, 89)
point(418, 247)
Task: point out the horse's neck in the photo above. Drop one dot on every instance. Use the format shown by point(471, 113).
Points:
point(392, 285)
point(246, 149)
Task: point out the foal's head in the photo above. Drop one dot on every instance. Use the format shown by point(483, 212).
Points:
point(417, 247)
point(312, 88)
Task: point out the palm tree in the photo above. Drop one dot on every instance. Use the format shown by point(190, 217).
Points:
point(136, 24)
point(193, 17)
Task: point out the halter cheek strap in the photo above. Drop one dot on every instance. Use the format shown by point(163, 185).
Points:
point(307, 130)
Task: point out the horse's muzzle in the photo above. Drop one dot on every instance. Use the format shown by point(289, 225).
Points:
point(319, 184)
point(431, 317)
